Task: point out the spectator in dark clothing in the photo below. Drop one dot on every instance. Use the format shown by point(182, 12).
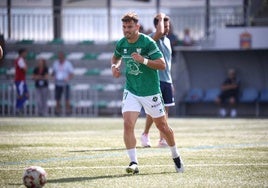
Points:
point(229, 94)
point(40, 75)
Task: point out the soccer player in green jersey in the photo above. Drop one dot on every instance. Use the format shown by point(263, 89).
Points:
point(142, 60)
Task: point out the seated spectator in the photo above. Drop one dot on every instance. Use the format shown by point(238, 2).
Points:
point(229, 94)
point(187, 39)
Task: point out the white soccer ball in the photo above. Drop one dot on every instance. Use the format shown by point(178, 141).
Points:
point(34, 177)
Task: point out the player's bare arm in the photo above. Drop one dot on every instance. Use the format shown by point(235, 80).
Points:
point(160, 28)
point(24, 67)
point(71, 75)
point(1, 52)
point(158, 64)
point(115, 66)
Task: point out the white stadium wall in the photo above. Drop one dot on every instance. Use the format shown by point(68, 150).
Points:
point(229, 38)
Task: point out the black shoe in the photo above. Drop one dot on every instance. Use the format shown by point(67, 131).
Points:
point(132, 168)
point(178, 165)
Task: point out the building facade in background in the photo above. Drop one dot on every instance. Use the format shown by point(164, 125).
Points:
point(99, 20)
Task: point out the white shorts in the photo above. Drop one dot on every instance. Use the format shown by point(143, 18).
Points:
point(153, 105)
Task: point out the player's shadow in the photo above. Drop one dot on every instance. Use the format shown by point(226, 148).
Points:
point(80, 179)
point(93, 150)
point(108, 149)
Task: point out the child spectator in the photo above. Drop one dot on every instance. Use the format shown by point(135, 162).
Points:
point(20, 80)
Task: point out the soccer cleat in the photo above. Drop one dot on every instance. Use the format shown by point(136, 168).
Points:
point(145, 140)
point(162, 143)
point(178, 165)
point(132, 168)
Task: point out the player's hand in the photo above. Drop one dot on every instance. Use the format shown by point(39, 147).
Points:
point(116, 72)
point(137, 57)
point(160, 16)
point(1, 52)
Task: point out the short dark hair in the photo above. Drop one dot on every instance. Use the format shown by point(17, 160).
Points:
point(22, 50)
point(166, 19)
point(129, 17)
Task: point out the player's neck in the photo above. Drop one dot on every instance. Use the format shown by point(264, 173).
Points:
point(134, 39)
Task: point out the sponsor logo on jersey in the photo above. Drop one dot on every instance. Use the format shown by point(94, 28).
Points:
point(155, 99)
point(156, 105)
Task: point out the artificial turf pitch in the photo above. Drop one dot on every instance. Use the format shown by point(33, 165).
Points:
point(89, 152)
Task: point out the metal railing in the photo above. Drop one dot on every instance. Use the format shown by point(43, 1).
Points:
point(89, 24)
point(85, 101)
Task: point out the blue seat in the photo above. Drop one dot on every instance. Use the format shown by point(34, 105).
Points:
point(211, 94)
point(249, 95)
point(194, 95)
point(264, 95)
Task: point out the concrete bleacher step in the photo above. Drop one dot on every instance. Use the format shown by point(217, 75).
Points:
point(92, 71)
point(38, 47)
point(78, 59)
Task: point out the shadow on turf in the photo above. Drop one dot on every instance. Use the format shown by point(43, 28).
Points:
point(108, 149)
point(90, 150)
point(79, 179)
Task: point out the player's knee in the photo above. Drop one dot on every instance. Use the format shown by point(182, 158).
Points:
point(128, 126)
point(164, 128)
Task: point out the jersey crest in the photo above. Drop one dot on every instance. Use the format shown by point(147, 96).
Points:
point(133, 67)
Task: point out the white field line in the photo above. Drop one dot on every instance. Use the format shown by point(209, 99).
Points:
point(120, 153)
point(142, 166)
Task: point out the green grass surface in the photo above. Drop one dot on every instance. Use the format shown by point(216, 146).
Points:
point(88, 152)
